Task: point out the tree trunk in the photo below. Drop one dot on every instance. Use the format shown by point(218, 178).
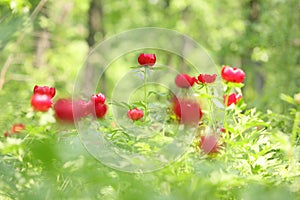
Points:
point(95, 22)
point(96, 33)
point(42, 41)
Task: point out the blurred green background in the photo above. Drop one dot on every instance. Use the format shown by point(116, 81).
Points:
point(46, 42)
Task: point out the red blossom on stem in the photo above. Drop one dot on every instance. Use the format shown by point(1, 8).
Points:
point(98, 98)
point(67, 110)
point(41, 99)
point(185, 81)
point(207, 78)
point(44, 90)
point(209, 144)
point(234, 74)
point(97, 106)
point(223, 130)
point(100, 110)
point(147, 59)
point(135, 114)
point(187, 111)
point(232, 98)
point(16, 128)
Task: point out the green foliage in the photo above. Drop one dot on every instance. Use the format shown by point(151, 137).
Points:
point(257, 159)
point(259, 156)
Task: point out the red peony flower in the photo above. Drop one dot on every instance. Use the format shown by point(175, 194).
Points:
point(209, 144)
point(230, 74)
point(232, 99)
point(187, 111)
point(41, 102)
point(135, 114)
point(17, 128)
point(100, 110)
point(44, 90)
point(97, 106)
point(207, 78)
point(98, 98)
point(67, 110)
point(223, 130)
point(185, 81)
point(41, 99)
point(147, 59)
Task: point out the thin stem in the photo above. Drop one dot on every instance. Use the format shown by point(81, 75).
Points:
point(227, 92)
point(145, 92)
point(236, 123)
point(211, 120)
point(225, 111)
point(295, 127)
point(4, 70)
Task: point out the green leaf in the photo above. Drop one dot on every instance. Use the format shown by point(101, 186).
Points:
point(204, 95)
point(163, 94)
point(138, 104)
point(287, 99)
point(135, 67)
point(159, 68)
point(235, 85)
point(121, 104)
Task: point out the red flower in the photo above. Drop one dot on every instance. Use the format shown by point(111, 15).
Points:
point(207, 78)
point(209, 144)
point(184, 81)
point(97, 106)
point(98, 98)
point(135, 114)
point(187, 111)
point(230, 74)
point(223, 130)
point(100, 110)
point(44, 90)
point(17, 128)
point(41, 99)
point(232, 99)
point(147, 59)
point(67, 110)
point(6, 134)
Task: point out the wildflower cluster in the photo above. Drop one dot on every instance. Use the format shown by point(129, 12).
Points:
point(66, 109)
point(186, 110)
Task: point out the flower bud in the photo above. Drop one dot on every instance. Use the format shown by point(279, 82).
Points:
point(187, 111)
point(147, 59)
point(184, 81)
point(230, 74)
point(135, 114)
point(41, 99)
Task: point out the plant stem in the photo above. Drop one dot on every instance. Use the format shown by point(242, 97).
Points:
point(225, 111)
point(236, 124)
point(145, 92)
point(295, 127)
point(211, 120)
point(227, 92)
